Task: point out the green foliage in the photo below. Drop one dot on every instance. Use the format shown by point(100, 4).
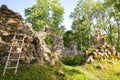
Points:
point(115, 13)
point(45, 12)
point(68, 36)
point(38, 14)
point(57, 13)
point(72, 60)
point(89, 15)
point(49, 41)
point(82, 20)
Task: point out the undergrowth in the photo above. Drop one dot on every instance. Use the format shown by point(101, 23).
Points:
point(42, 72)
point(103, 70)
point(72, 60)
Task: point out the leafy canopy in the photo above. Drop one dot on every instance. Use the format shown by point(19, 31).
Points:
point(45, 12)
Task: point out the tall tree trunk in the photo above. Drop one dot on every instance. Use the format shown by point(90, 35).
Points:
point(90, 42)
point(81, 46)
point(110, 32)
point(118, 8)
point(118, 40)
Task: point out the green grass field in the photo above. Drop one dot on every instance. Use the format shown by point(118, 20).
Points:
point(110, 71)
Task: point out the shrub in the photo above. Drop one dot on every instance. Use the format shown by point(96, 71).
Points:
point(72, 60)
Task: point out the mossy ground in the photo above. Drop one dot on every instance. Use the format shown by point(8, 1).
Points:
point(42, 72)
point(110, 71)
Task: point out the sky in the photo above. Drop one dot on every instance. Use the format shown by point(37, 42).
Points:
point(20, 5)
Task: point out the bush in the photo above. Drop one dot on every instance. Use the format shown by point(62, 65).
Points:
point(72, 60)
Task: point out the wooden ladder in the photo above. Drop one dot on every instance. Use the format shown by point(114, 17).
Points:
point(17, 43)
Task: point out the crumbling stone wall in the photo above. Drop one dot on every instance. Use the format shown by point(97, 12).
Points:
point(101, 49)
point(11, 23)
point(35, 48)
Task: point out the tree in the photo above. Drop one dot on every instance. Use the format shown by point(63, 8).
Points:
point(82, 23)
point(45, 12)
point(57, 13)
point(106, 14)
point(115, 4)
point(38, 14)
point(68, 36)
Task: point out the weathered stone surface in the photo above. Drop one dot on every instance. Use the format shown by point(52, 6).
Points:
point(101, 50)
point(35, 48)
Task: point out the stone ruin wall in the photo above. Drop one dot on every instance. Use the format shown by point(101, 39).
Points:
point(35, 48)
point(101, 49)
point(11, 23)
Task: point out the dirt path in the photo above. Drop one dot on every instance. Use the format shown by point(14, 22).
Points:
point(88, 73)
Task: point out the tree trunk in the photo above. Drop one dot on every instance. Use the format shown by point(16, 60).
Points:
point(118, 41)
point(110, 32)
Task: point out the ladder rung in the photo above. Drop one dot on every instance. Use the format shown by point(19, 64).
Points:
point(11, 67)
point(22, 38)
point(13, 59)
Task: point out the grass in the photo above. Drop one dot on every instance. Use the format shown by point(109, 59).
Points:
point(42, 72)
point(110, 71)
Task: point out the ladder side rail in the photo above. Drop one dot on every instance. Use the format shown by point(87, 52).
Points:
point(8, 57)
point(19, 55)
point(6, 64)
